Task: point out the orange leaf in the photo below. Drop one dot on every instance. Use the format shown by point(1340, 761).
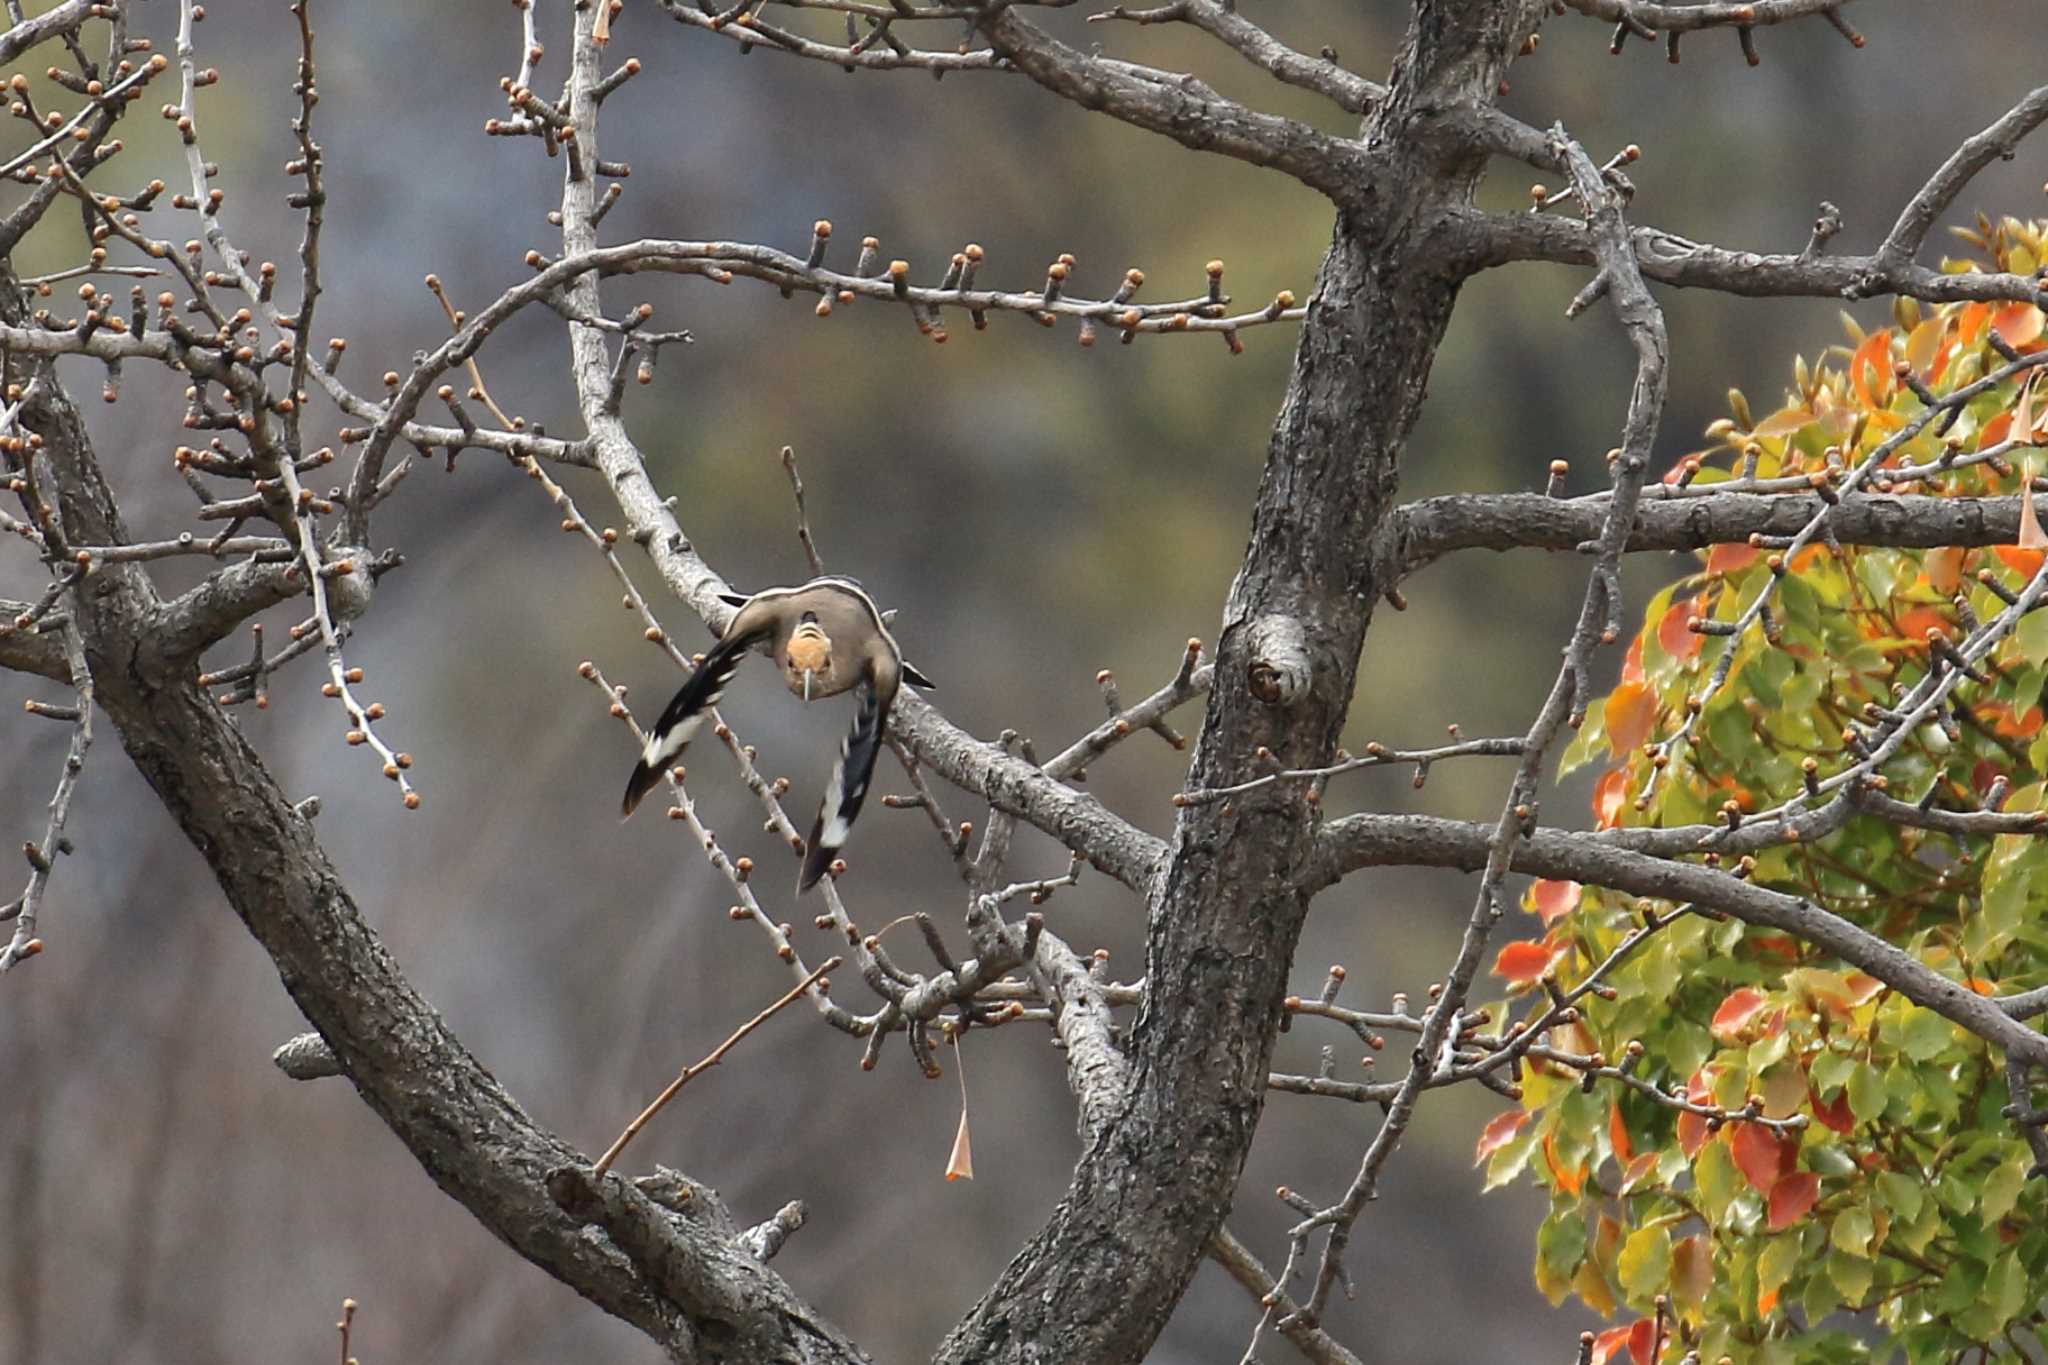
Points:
point(1500, 1130)
point(1551, 900)
point(1736, 1011)
point(2025, 563)
point(1791, 1199)
point(960, 1165)
point(1914, 623)
point(2018, 323)
point(1944, 568)
point(2010, 726)
point(1731, 558)
point(1570, 1181)
point(1761, 1155)
point(1609, 793)
point(1863, 987)
point(1836, 1113)
point(1765, 1302)
point(1632, 662)
point(1673, 635)
point(1994, 431)
point(1870, 369)
point(1617, 1134)
point(2031, 536)
point(1970, 325)
point(1523, 961)
point(1631, 709)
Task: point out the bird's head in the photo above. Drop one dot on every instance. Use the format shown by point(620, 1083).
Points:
point(807, 660)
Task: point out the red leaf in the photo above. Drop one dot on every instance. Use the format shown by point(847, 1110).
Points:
point(1672, 633)
point(1761, 1155)
point(1617, 1134)
point(1692, 1269)
point(1523, 961)
point(1792, 1198)
point(1608, 1342)
point(1500, 1130)
point(1692, 1133)
point(1637, 1171)
point(1736, 1011)
point(1835, 1113)
point(1642, 1340)
point(1631, 709)
point(1552, 900)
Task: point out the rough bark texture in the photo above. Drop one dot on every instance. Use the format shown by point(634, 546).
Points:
point(1099, 1281)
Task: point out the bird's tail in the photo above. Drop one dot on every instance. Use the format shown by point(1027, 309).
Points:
point(848, 787)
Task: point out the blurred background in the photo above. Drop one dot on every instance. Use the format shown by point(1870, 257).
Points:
point(1035, 510)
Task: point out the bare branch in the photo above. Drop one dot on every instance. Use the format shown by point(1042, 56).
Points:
point(1349, 92)
point(1199, 119)
point(710, 1059)
point(1995, 143)
point(23, 943)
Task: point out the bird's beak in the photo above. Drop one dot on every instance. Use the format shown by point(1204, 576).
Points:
point(809, 673)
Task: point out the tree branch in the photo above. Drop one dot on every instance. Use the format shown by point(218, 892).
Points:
point(1200, 119)
point(1357, 841)
point(1430, 528)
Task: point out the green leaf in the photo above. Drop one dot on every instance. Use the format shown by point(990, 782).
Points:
point(1851, 1233)
point(1714, 1173)
point(1851, 1275)
point(1901, 1194)
point(1926, 1036)
point(2005, 1289)
point(1780, 1259)
point(1867, 1094)
point(2032, 637)
point(1645, 1261)
point(1960, 1286)
point(1561, 1241)
point(1830, 1072)
point(2002, 1189)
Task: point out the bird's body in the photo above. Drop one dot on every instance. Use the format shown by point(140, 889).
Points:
point(826, 637)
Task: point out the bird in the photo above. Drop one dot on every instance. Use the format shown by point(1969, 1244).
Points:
point(827, 637)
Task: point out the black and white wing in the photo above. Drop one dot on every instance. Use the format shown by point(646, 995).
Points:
point(678, 724)
point(849, 785)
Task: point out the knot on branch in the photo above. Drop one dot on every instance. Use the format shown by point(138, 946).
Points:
point(352, 582)
point(306, 1058)
point(1279, 672)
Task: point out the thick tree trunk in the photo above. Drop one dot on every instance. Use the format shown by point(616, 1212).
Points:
point(1100, 1280)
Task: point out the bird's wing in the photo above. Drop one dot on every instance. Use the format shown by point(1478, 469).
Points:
point(678, 724)
point(849, 784)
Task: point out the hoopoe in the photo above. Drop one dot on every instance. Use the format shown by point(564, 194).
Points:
point(827, 637)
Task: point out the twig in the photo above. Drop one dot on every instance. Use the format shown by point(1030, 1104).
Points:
point(713, 1058)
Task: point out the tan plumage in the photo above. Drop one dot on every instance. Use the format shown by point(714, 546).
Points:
point(826, 637)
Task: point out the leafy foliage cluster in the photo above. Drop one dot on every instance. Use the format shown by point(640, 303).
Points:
point(1889, 1209)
